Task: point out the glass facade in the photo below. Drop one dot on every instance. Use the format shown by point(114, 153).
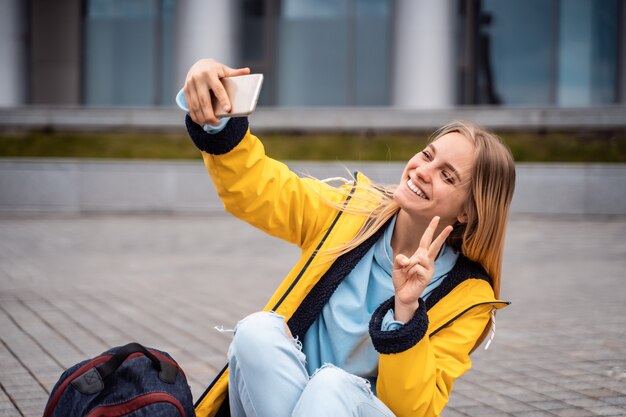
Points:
point(128, 47)
point(541, 53)
point(588, 52)
point(514, 44)
point(341, 52)
point(319, 52)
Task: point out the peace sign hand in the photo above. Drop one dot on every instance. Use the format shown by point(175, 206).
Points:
point(410, 276)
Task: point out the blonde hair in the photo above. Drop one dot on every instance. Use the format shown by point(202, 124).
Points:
point(490, 190)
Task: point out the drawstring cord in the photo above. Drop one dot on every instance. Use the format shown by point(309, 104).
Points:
point(221, 329)
point(492, 332)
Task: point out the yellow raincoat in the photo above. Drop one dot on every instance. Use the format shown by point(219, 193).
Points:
point(266, 194)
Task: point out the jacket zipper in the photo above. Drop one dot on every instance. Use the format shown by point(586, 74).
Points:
point(453, 319)
point(135, 404)
point(319, 246)
point(293, 284)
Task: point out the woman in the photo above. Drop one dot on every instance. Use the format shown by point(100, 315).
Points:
point(395, 287)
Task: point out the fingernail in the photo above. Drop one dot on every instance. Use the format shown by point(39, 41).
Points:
point(227, 107)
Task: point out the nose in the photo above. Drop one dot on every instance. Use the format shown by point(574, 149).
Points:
point(423, 172)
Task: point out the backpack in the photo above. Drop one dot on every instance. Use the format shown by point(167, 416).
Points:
point(124, 381)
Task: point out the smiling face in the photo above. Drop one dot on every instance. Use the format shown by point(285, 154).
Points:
point(435, 181)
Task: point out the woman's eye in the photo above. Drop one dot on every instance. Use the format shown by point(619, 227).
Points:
point(426, 155)
point(447, 178)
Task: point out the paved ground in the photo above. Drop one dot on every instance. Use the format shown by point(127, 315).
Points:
point(70, 287)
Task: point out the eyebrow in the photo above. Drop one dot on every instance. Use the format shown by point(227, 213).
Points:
point(446, 164)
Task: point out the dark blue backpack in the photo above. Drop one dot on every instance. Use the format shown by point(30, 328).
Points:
point(124, 381)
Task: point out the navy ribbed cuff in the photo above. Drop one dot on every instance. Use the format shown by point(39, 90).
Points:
point(221, 142)
point(404, 338)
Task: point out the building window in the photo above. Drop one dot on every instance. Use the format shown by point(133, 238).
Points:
point(319, 52)
point(511, 52)
point(128, 52)
point(540, 53)
point(588, 52)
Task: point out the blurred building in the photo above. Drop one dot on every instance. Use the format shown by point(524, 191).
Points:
point(416, 54)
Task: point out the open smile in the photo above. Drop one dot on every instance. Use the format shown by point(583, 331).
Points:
point(418, 191)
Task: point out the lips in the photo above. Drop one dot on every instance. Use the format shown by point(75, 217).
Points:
point(418, 191)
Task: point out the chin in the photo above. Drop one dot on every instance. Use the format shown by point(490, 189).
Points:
point(400, 196)
point(408, 203)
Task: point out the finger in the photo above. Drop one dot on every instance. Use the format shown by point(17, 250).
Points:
point(192, 103)
point(419, 252)
point(400, 261)
point(213, 119)
point(233, 72)
point(425, 260)
point(418, 270)
point(197, 102)
point(204, 96)
point(219, 91)
point(435, 247)
point(427, 237)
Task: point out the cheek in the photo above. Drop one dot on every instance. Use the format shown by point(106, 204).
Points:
point(412, 164)
point(457, 198)
point(460, 197)
point(405, 173)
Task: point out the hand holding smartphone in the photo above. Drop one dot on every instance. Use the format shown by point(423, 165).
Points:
point(243, 92)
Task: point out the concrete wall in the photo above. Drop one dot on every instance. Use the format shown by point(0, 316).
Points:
point(66, 186)
point(319, 119)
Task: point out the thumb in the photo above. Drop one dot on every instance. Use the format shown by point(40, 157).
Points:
point(400, 261)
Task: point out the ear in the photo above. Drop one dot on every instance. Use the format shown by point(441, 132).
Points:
point(462, 218)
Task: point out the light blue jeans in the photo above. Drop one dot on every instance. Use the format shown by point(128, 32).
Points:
point(268, 377)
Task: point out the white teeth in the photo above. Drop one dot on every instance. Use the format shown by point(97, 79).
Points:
point(415, 189)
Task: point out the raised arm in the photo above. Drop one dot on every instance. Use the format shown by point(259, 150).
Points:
point(255, 188)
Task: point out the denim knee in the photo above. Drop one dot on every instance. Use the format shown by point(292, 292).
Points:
point(254, 333)
point(333, 381)
point(331, 391)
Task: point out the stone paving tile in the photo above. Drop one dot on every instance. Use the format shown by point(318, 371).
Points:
point(509, 405)
point(548, 405)
point(572, 412)
point(607, 411)
point(616, 386)
point(621, 400)
point(450, 412)
point(585, 402)
point(533, 414)
point(564, 395)
point(84, 340)
point(63, 351)
point(73, 286)
point(482, 410)
point(460, 400)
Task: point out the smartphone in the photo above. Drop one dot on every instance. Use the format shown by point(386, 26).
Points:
point(243, 92)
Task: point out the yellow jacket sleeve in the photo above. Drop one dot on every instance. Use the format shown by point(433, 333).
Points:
point(267, 194)
point(417, 381)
